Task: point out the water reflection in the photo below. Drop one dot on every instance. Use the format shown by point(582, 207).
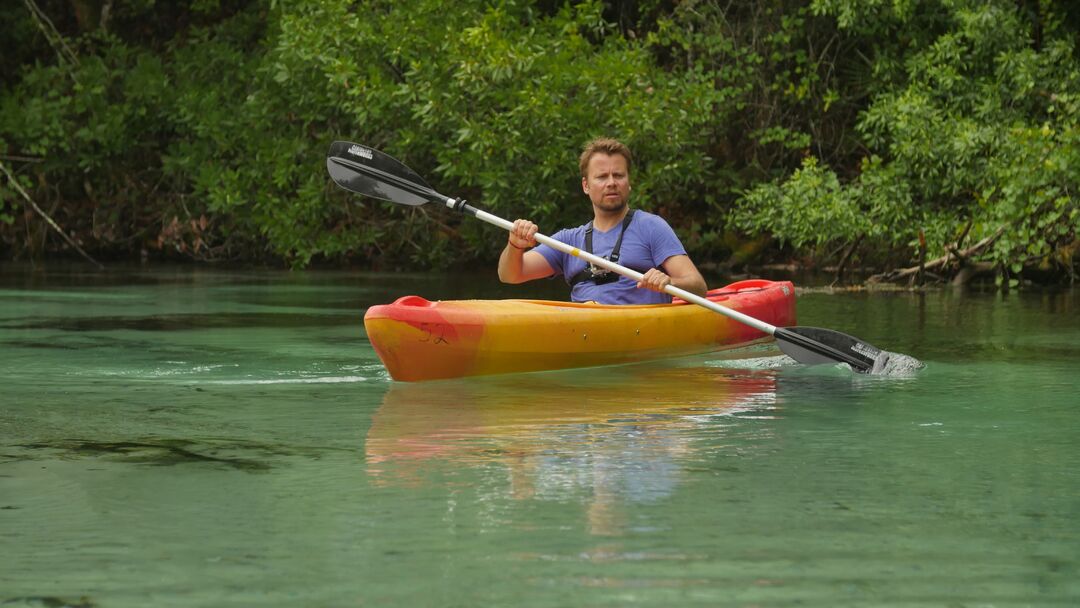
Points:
point(607, 439)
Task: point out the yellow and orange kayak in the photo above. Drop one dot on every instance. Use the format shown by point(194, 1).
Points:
point(422, 340)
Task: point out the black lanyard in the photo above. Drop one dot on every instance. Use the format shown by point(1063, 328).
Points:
point(598, 275)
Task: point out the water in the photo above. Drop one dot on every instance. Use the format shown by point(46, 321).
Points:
point(210, 438)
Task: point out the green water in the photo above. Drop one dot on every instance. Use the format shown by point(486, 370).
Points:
point(198, 438)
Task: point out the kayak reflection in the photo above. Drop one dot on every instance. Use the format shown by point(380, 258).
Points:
point(613, 436)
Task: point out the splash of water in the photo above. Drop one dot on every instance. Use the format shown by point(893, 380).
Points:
point(895, 364)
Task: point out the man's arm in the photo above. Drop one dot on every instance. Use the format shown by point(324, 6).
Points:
point(516, 264)
point(678, 270)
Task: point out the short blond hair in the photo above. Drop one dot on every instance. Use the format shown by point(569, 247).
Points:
point(604, 145)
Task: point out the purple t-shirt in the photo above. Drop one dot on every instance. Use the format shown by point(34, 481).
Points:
point(648, 243)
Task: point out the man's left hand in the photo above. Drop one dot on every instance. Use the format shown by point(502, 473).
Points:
point(654, 280)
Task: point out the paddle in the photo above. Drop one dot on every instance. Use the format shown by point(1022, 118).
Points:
point(367, 171)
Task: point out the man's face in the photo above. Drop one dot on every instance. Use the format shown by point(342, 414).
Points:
point(607, 182)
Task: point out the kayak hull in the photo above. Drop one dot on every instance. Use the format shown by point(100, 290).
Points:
point(420, 340)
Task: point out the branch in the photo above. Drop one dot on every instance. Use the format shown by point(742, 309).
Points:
point(55, 38)
point(843, 261)
point(906, 272)
point(106, 11)
point(48, 220)
point(22, 159)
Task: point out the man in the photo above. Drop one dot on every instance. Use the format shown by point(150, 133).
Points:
point(632, 238)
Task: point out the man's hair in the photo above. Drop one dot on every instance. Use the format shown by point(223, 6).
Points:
point(604, 145)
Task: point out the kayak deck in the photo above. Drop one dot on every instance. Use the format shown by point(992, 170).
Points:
point(419, 340)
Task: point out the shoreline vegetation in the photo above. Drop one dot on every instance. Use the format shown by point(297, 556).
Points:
point(907, 143)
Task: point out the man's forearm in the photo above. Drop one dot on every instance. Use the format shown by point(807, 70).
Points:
point(694, 284)
point(510, 264)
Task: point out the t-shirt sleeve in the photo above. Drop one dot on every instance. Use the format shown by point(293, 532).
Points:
point(665, 243)
point(554, 257)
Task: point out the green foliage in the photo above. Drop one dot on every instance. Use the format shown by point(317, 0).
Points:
point(770, 65)
point(199, 128)
point(229, 118)
point(812, 207)
point(494, 102)
point(981, 128)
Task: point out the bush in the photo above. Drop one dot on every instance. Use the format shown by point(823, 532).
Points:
point(976, 127)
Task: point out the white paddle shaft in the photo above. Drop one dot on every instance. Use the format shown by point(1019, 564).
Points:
point(624, 271)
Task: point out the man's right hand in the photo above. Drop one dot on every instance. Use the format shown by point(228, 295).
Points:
point(523, 234)
point(517, 263)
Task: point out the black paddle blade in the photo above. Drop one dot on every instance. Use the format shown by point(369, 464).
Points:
point(815, 345)
point(367, 171)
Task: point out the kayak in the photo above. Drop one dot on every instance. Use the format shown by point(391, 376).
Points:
point(419, 340)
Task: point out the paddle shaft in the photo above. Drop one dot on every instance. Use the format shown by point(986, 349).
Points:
point(612, 266)
point(460, 205)
point(367, 171)
point(808, 348)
